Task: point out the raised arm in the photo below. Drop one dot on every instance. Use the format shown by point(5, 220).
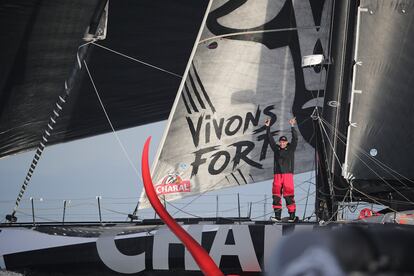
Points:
point(294, 141)
point(272, 143)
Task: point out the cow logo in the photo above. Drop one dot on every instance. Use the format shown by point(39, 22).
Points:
point(173, 183)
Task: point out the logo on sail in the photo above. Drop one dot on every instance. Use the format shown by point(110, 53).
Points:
point(173, 183)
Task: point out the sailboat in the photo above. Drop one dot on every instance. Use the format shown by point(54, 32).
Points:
point(334, 66)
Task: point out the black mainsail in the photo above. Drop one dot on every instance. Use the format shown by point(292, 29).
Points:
point(367, 110)
point(40, 40)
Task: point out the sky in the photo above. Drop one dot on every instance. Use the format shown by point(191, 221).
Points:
point(81, 170)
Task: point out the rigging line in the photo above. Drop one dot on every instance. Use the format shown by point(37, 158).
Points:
point(379, 163)
point(308, 193)
point(384, 167)
point(110, 123)
point(306, 204)
point(185, 212)
point(374, 199)
point(303, 189)
point(30, 215)
point(337, 210)
point(114, 211)
point(257, 32)
point(330, 143)
point(383, 179)
point(388, 184)
point(330, 179)
point(137, 60)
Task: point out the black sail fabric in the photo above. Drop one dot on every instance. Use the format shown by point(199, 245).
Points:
point(379, 136)
point(40, 40)
point(381, 111)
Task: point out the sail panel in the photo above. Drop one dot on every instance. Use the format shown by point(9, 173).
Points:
point(380, 137)
point(246, 68)
point(42, 41)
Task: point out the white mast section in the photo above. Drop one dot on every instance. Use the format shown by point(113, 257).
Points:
point(353, 91)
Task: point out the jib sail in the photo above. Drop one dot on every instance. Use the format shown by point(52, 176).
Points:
point(246, 68)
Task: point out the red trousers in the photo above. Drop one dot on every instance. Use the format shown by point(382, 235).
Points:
point(283, 185)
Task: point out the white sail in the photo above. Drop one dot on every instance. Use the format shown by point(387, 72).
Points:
point(246, 68)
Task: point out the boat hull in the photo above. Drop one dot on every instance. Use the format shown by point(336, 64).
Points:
point(139, 249)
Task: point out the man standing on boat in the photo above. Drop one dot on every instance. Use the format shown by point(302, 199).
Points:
point(283, 167)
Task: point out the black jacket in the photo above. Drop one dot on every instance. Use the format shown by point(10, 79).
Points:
point(284, 159)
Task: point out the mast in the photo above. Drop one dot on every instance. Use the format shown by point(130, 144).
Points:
point(324, 207)
point(330, 152)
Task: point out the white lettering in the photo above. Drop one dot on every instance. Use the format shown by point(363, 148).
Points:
point(173, 188)
point(243, 247)
point(162, 240)
point(115, 260)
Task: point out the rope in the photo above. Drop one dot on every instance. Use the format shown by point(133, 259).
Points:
point(379, 163)
point(337, 158)
point(60, 103)
point(38, 217)
point(113, 130)
point(386, 182)
point(257, 32)
point(110, 122)
point(137, 60)
point(337, 210)
point(307, 199)
point(330, 143)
